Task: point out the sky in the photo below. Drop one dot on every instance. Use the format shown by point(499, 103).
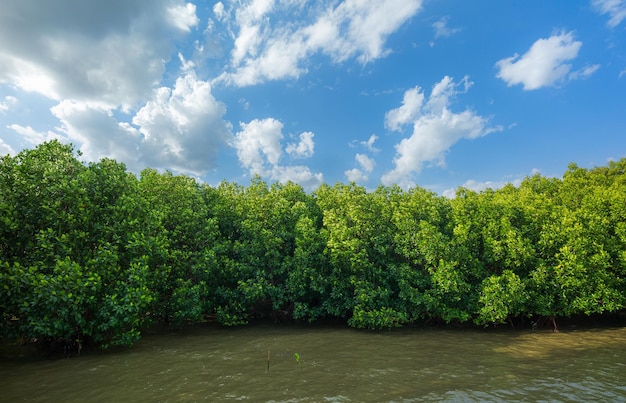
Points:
point(431, 93)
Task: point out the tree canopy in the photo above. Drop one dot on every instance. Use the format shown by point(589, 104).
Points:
point(92, 254)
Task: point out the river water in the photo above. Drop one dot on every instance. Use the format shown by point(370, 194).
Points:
point(209, 363)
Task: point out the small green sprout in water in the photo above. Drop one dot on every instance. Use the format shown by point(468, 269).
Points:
point(297, 357)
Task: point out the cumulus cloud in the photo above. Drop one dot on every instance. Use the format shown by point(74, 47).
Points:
point(7, 103)
point(183, 16)
point(299, 174)
point(355, 175)
point(268, 51)
point(109, 54)
point(99, 134)
point(179, 128)
point(408, 112)
point(259, 149)
point(32, 136)
point(103, 62)
point(304, 148)
point(258, 142)
point(616, 9)
point(369, 144)
point(544, 64)
point(366, 163)
point(478, 186)
point(366, 166)
point(220, 11)
point(250, 19)
point(5, 149)
point(435, 129)
point(183, 126)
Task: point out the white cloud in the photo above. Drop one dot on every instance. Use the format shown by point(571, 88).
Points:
point(8, 102)
point(32, 136)
point(356, 175)
point(5, 149)
point(257, 142)
point(254, 10)
point(369, 144)
point(183, 126)
point(250, 19)
point(408, 112)
point(28, 76)
point(622, 73)
point(299, 174)
point(220, 11)
point(106, 54)
point(435, 129)
point(478, 186)
point(369, 22)
point(367, 164)
point(584, 72)
point(544, 64)
point(99, 134)
point(246, 43)
point(353, 28)
point(183, 17)
point(259, 149)
point(179, 128)
point(616, 9)
point(475, 186)
point(442, 29)
point(304, 148)
point(185, 65)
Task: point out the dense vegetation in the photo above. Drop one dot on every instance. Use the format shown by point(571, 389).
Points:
point(89, 253)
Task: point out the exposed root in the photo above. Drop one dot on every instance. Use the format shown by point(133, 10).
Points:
point(545, 322)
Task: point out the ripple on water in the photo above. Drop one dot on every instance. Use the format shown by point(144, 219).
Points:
point(336, 365)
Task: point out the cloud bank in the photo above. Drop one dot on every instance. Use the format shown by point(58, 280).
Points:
point(436, 128)
point(265, 51)
point(103, 62)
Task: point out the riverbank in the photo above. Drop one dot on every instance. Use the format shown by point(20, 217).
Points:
point(32, 351)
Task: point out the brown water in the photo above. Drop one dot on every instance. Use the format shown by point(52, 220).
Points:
point(336, 365)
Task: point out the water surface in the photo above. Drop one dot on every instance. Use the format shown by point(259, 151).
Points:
point(336, 365)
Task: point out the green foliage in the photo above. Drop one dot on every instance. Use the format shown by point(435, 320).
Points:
point(184, 233)
point(502, 297)
point(70, 275)
point(90, 254)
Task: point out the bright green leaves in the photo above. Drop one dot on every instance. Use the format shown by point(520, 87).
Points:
point(181, 239)
point(91, 254)
point(268, 242)
point(65, 240)
point(307, 282)
point(501, 297)
point(74, 304)
point(360, 251)
point(580, 246)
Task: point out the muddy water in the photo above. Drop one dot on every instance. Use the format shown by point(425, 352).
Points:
point(335, 365)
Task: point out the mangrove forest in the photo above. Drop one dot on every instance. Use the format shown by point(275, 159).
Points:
point(92, 254)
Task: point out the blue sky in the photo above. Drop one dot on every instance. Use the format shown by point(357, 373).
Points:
point(439, 94)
